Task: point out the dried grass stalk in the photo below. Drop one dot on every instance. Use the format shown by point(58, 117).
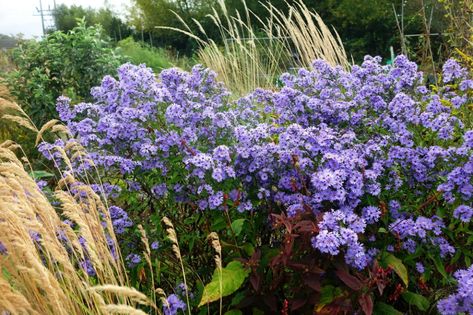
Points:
point(41, 269)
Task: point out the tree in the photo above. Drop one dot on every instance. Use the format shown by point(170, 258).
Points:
point(66, 18)
point(146, 15)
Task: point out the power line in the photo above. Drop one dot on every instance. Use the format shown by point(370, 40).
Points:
point(44, 13)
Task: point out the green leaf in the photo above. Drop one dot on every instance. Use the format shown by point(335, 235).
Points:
point(416, 299)
point(233, 276)
point(40, 174)
point(267, 255)
point(327, 295)
point(257, 311)
point(233, 312)
point(397, 265)
point(381, 308)
point(237, 226)
point(440, 267)
point(248, 248)
point(237, 298)
point(218, 224)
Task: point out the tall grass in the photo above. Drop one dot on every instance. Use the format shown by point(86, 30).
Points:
point(42, 257)
point(256, 50)
point(6, 130)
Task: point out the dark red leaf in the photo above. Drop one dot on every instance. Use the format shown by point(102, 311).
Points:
point(313, 282)
point(316, 269)
point(271, 301)
point(381, 286)
point(297, 304)
point(255, 280)
point(297, 266)
point(351, 281)
point(248, 300)
point(306, 227)
point(330, 310)
point(366, 304)
point(278, 276)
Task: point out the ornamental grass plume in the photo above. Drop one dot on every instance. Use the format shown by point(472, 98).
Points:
point(147, 256)
point(45, 261)
point(215, 242)
point(172, 236)
point(252, 56)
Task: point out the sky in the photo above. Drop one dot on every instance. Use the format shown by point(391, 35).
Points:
point(18, 16)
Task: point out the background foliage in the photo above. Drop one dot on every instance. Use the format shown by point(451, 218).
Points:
point(62, 63)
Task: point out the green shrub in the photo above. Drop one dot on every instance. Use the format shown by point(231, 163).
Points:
point(138, 53)
point(62, 63)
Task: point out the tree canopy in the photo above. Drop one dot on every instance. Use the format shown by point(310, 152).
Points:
point(67, 17)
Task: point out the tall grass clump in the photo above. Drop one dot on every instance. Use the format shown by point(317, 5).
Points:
point(255, 50)
point(58, 250)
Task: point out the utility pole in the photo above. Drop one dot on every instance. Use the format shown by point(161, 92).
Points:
point(44, 13)
point(42, 16)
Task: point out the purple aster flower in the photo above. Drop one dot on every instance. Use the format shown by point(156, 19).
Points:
point(371, 214)
point(222, 153)
point(452, 70)
point(3, 249)
point(120, 219)
point(173, 304)
point(218, 174)
point(41, 184)
point(464, 213)
point(462, 300)
point(449, 305)
point(159, 190)
point(420, 267)
point(327, 242)
point(133, 260)
point(87, 266)
point(216, 200)
point(63, 107)
point(245, 206)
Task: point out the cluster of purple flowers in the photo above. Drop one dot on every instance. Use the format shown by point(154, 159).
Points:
point(422, 230)
point(462, 301)
point(341, 228)
point(331, 141)
point(120, 219)
point(173, 305)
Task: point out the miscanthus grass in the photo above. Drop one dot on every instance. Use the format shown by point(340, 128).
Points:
point(255, 50)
